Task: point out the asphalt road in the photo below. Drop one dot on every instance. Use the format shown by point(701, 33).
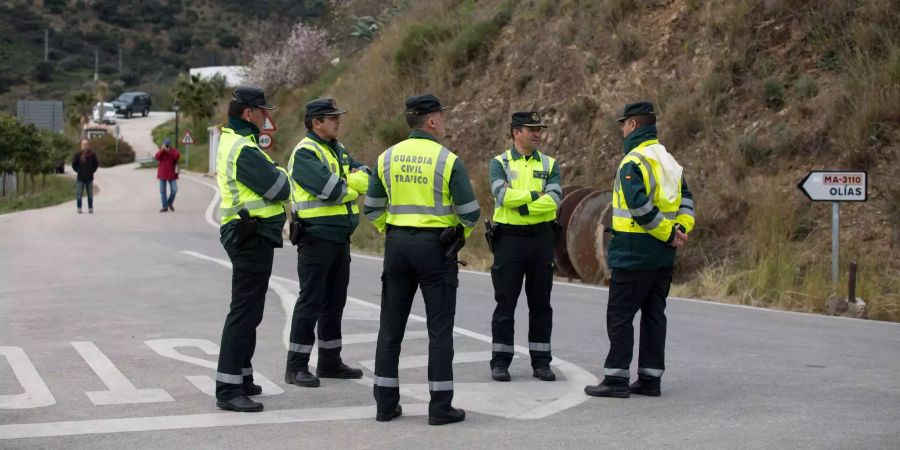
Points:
point(110, 323)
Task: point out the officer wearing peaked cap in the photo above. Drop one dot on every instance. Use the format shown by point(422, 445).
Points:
point(422, 197)
point(527, 190)
point(327, 181)
point(253, 189)
point(653, 212)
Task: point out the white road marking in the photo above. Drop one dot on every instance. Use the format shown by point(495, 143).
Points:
point(205, 383)
point(120, 390)
point(575, 377)
point(211, 208)
point(226, 419)
point(36, 393)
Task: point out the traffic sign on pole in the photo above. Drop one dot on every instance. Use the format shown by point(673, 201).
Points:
point(835, 186)
point(188, 138)
point(265, 140)
point(268, 125)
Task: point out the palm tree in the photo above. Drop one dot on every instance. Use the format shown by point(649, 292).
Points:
point(80, 112)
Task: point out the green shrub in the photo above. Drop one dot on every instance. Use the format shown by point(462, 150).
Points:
point(806, 87)
point(392, 131)
point(773, 93)
point(894, 67)
point(417, 46)
point(752, 151)
point(629, 44)
point(476, 38)
point(105, 149)
point(522, 81)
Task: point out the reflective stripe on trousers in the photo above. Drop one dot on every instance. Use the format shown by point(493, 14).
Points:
point(387, 382)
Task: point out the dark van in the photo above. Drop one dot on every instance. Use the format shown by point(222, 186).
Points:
point(130, 103)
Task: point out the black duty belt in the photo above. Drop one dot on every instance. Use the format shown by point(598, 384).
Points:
point(414, 230)
point(524, 230)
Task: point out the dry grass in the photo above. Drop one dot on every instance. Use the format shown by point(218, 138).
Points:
point(764, 91)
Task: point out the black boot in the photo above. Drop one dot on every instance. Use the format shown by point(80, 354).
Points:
point(544, 373)
point(500, 374)
point(610, 387)
point(387, 417)
point(251, 389)
point(452, 416)
point(646, 386)
point(301, 378)
point(341, 371)
point(241, 403)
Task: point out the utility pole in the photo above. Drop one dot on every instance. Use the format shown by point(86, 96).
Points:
point(96, 64)
point(120, 61)
point(46, 44)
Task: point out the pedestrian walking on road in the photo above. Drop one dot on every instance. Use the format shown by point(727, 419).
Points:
point(327, 182)
point(423, 198)
point(167, 173)
point(653, 213)
point(253, 190)
point(85, 164)
point(527, 190)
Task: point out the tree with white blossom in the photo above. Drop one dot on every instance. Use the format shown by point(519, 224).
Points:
point(295, 61)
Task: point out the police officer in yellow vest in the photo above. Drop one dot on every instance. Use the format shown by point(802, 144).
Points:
point(327, 182)
point(253, 189)
point(653, 212)
point(422, 196)
point(527, 192)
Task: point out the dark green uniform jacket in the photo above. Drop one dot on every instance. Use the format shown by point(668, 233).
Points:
point(312, 174)
point(258, 174)
point(640, 251)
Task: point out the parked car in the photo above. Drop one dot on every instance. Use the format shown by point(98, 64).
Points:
point(130, 103)
point(104, 112)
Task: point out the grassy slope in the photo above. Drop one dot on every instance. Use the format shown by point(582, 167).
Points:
point(751, 93)
point(58, 189)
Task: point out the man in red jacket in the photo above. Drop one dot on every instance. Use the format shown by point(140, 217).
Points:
point(167, 173)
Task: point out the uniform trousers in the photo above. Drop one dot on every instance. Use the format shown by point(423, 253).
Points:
point(414, 258)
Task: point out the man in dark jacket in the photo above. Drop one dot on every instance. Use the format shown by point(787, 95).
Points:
point(168, 157)
point(653, 212)
point(85, 163)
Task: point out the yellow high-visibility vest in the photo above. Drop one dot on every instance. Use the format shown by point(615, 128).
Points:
point(520, 175)
point(235, 195)
point(308, 205)
point(416, 176)
point(670, 212)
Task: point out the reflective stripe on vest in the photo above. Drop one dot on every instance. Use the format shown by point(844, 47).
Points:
point(623, 217)
point(523, 179)
point(234, 194)
point(308, 205)
point(418, 184)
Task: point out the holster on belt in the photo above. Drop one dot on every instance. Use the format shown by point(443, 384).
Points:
point(557, 230)
point(295, 229)
point(246, 227)
point(453, 239)
point(490, 233)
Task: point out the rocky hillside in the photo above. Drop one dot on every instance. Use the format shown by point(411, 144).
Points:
point(751, 95)
point(158, 39)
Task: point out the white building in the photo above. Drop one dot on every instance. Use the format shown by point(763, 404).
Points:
point(234, 75)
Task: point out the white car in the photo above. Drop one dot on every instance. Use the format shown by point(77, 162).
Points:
point(104, 112)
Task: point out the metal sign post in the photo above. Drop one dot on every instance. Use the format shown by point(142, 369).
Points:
point(835, 186)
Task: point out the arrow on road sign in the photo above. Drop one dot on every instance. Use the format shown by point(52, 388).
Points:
point(835, 186)
point(265, 140)
point(188, 139)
